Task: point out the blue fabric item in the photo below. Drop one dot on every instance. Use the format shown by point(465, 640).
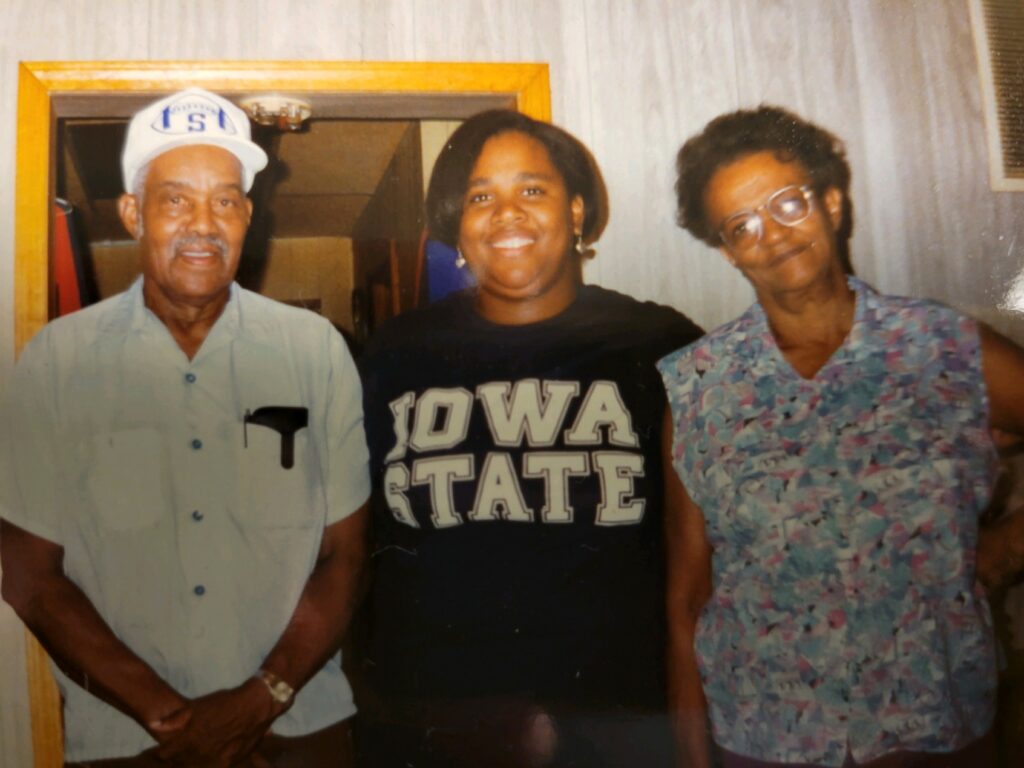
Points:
point(443, 277)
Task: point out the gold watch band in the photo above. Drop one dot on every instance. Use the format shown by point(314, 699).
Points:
point(279, 690)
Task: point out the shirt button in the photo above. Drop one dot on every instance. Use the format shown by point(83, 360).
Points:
point(199, 590)
point(190, 377)
point(197, 515)
point(197, 444)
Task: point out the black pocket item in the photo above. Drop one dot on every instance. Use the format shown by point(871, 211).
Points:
point(286, 420)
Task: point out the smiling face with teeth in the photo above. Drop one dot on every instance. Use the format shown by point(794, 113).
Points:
point(517, 231)
point(190, 224)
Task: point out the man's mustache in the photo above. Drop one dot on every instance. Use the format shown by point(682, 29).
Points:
point(190, 241)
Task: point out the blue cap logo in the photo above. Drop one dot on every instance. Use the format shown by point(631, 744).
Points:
point(190, 114)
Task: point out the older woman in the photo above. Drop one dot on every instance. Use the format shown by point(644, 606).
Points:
point(832, 454)
point(514, 431)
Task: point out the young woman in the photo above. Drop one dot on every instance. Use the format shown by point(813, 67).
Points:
point(517, 606)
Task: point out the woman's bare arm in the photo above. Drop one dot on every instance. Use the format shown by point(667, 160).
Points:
point(688, 589)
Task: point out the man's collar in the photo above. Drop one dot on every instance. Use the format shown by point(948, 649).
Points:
point(238, 320)
point(131, 315)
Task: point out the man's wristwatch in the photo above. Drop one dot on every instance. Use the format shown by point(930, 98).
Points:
point(280, 691)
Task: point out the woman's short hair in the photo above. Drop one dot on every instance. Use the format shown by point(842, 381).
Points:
point(447, 189)
point(731, 136)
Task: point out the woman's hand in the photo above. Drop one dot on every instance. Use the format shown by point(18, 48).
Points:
point(1003, 369)
point(1001, 543)
point(688, 589)
point(1001, 550)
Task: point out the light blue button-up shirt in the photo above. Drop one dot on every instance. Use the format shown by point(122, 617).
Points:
point(180, 522)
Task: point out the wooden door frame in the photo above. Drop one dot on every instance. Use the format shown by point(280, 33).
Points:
point(43, 85)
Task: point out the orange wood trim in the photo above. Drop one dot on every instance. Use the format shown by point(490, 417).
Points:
point(534, 98)
point(31, 311)
point(38, 82)
point(31, 288)
point(32, 208)
point(44, 707)
point(527, 82)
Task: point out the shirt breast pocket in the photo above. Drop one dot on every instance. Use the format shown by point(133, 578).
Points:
point(125, 478)
point(276, 480)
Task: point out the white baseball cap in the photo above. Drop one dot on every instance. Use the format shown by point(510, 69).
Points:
point(192, 116)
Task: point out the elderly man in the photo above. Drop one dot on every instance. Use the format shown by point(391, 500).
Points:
point(185, 486)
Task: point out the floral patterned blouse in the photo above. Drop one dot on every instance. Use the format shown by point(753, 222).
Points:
point(842, 511)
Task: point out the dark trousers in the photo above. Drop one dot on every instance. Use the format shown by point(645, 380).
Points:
point(506, 733)
point(328, 748)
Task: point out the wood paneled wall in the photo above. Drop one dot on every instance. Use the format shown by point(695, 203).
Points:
point(632, 78)
point(393, 214)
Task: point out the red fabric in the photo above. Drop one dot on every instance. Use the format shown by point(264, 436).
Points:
point(65, 274)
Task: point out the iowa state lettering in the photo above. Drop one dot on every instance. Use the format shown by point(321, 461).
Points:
point(529, 413)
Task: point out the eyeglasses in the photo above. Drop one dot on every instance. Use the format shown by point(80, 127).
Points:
point(788, 206)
